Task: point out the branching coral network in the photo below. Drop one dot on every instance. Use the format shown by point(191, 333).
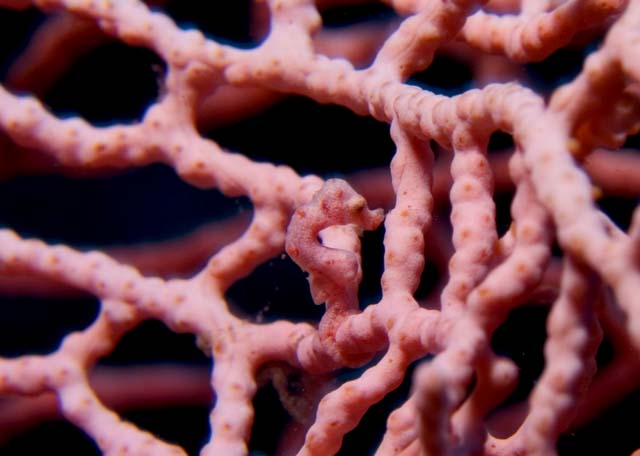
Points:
point(562, 251)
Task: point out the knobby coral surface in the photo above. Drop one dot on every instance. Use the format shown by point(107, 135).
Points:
point(457, 258)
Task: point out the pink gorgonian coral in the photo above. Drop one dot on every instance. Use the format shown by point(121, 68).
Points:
point(455, 179)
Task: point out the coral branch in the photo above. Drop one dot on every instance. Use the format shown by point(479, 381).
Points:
point(500, 197)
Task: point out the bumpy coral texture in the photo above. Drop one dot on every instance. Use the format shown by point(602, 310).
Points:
point(561, 251)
